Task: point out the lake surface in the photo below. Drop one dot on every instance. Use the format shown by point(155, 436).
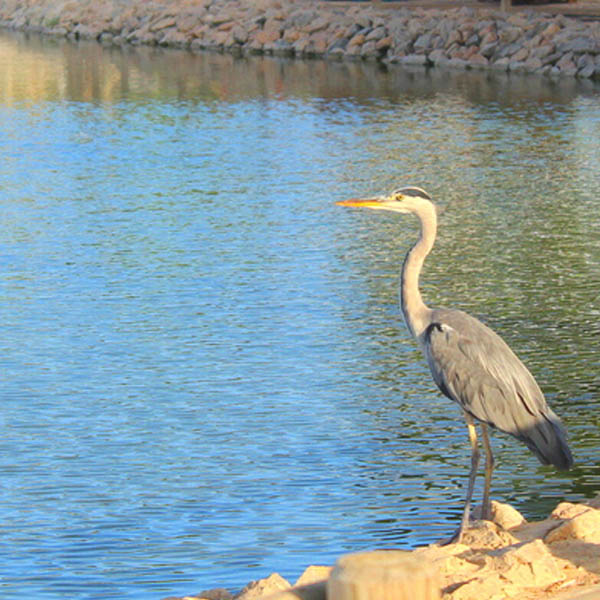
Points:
point(205, 375)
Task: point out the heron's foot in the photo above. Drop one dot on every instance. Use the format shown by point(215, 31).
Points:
point(486, 511)
point(483, 512)
point(455, 538)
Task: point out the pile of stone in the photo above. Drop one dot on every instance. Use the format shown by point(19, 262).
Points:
point(501, 559)
point(463, 38)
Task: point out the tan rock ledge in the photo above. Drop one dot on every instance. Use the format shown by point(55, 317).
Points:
point(554, 559)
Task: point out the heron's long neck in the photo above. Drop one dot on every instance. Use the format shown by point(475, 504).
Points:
point(416, 313)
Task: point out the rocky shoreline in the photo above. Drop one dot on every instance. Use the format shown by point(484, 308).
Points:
point(554, 559)
point(460, 38)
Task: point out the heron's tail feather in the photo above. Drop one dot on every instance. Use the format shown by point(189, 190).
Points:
point(547, 439)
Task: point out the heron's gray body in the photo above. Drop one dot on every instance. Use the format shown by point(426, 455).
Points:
point(470, 363)
point(474, 366)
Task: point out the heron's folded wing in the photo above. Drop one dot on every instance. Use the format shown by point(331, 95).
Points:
point(465, 374)
point(480, 372)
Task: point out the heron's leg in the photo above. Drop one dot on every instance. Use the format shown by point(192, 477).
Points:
point(486, 507)
point(474, 464)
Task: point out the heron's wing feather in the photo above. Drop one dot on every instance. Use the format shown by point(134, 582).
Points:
point(474, 367)
point(466, 370)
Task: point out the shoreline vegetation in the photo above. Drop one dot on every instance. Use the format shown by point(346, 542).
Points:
point(459, 38)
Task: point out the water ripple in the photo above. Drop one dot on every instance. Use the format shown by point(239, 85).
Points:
point(206, 378)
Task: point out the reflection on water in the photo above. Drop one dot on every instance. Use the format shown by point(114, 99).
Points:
point(206, 378)
point(42, 69)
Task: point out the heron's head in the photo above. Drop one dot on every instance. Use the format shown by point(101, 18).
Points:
point(404, 200)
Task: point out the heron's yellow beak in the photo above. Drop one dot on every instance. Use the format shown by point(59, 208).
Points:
point(364, 202)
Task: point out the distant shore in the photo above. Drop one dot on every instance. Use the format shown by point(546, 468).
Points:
point(459, 38)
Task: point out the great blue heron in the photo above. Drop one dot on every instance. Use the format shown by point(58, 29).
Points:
point(470, 363)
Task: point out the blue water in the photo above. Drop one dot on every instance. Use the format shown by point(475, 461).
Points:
point(205, 377)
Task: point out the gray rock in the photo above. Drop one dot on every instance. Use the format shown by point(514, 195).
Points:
point(422, 43)
point(403, 45)
point(369, 50)
point(363, 21)
point(335, 54)
point(397, 26)
point(454, 37)
point(413, 59)
point(437, 42)
point(567, 67)
point(352, 52)
point(376, 34)
point(587, 70)
point(282, 48)
point(542, 51)
point(447, 27)
point(585, 44)
point(301, 18)
point(532, 64)
point(473, 40)
point(510, 35)
point(584, 60)
point(338, 45)
point(478, 61)
point(458, 63)
point(509, 49)
point(545, 70)
point(240, 34)
point(516, 66)
point(565, 59)
point(521, 55)
point(489, 49)
point(500, 65)
point(484, 25)
point(415, 27)
point(352, 30)
point(437, 56)
point(319, 24)
point(300, 45)
point(551, 59)
point(466, 11)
